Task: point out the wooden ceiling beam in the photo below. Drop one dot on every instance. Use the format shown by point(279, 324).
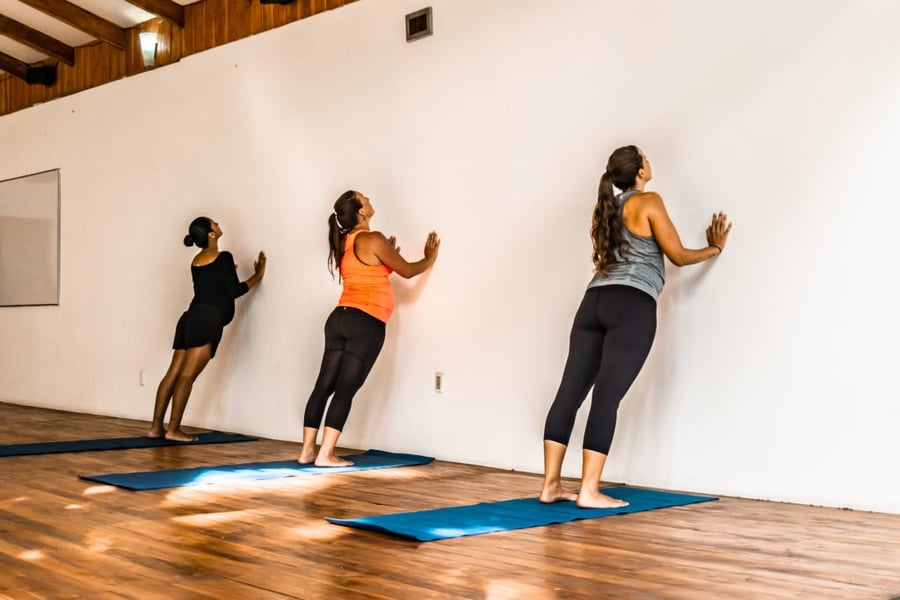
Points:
point(44, 75)
point(13, 66)
point(167, 9)
point(82, 20)
point(37, 39)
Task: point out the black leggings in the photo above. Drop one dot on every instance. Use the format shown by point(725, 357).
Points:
point(353, 340)
point(610, 340)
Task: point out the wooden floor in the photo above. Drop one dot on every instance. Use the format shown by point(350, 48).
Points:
point(61, 537)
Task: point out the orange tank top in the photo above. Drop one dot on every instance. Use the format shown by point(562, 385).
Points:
point(366, 287)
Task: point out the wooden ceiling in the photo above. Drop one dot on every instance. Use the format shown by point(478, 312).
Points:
point(42, 31)
point(53, 48)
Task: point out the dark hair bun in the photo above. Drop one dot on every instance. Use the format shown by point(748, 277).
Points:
point(188, 240)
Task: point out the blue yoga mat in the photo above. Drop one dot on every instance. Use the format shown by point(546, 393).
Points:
point(214, 437)
point(488, 517)
point(156, 480)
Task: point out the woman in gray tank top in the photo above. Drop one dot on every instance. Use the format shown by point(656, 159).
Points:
point(616, 322)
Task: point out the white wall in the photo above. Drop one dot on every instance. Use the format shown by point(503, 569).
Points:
point(773, 371)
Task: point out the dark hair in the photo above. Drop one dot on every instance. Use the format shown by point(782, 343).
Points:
point(198, 232)
point(607, 229)
point(342, 220)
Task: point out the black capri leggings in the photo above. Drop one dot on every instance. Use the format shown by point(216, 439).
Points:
point(353, 340)
point(610, 340)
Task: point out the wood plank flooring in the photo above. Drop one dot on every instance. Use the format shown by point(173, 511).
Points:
point(61, 537)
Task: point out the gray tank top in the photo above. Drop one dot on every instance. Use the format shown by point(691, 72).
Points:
point(642, 267)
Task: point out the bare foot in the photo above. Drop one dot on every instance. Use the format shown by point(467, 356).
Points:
point(307, 457)
point(556, 493)
point(332, 461)
point(179, 436)
point(598, 500)
point(156, 432)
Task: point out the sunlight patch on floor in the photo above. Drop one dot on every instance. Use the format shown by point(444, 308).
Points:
point(506, 589)
point(99, 489)
point(207, 519)
point(400, 473)
point(13, 500)
point(99, 545)
point(31, 555)
point(295, 487)
point(316, 530)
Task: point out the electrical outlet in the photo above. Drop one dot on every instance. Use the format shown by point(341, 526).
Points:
point(439, 382)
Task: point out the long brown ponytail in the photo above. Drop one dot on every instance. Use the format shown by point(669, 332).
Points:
point(607, 229)
point(344, 218)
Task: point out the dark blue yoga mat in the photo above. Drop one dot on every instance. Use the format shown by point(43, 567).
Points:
point(488, 517)
point(156, 480)
point(213, 437)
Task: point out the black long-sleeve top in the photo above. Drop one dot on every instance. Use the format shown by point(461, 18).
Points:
point(217, 284)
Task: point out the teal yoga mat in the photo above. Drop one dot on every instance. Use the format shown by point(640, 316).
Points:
point(254, 471)
point(507, 515)
point(213, 437)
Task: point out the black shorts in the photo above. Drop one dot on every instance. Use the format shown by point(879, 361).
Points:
point(201, 324)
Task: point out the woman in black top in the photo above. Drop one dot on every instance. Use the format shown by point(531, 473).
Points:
point(199, 330)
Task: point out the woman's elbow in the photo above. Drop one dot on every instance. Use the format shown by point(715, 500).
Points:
point(678, 260)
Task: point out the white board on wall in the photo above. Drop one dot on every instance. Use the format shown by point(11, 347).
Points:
point(29, 240)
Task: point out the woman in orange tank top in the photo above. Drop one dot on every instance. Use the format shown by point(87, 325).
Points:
point(354, 331)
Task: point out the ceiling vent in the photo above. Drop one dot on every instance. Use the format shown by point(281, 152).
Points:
point(418, 24)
